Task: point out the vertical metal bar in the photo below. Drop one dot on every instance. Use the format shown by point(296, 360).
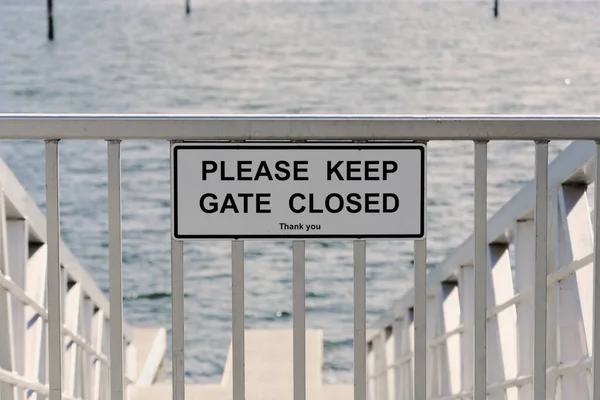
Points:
point(360, 325)
point(420, 319)
point(541, 270)
point(55, 334)
point(17, 254)
point(299, 314)
point(237, 341)
point(177, 312)
point(596, 345)
point(177, 320)
point(480, 271)
point(117, 380)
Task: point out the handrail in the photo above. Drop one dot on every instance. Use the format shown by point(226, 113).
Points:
point(510, 304)
point(575, 164)
point(36, 222)
point(298, 127)
point(86, 310)
point(20, 294)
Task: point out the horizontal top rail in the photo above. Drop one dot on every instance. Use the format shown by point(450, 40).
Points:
point(298, 127)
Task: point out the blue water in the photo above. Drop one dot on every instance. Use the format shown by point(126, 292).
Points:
point(281, 57)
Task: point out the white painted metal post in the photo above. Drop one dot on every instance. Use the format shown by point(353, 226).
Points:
point(541, 270)
point(55, 335)
point(177, 315)
point(524, 245)
point(237, 340)
point(97, 343)
point(360, 324)
point(17, 255)
point(299, 312)
point(7, 331)
point(480, 270)
point(420, 319)
point(596, 345)
point(117, 381)
point(177, 293)
point(466, 285)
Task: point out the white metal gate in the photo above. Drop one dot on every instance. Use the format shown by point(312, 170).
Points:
point(480, 130)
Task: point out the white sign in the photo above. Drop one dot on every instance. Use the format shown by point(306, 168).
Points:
point(292, 190)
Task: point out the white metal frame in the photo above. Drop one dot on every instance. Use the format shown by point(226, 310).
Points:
point(424, 333)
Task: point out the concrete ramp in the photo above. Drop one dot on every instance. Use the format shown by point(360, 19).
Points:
point(151, 345)
point(269, 358)
point(218, 392)
point(269, 372)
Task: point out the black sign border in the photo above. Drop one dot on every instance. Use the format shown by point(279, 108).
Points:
point(181, 146)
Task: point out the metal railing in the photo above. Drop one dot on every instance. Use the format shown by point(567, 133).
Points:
point(532, 355)
point(31, 338)
point(416, 358)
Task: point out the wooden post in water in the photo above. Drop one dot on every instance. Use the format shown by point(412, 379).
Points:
point(495, 8)
point(50, 22)
point(188, 9)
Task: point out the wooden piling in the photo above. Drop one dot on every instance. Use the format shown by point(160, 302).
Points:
point(495, 8)
point(188, 9)
point(50, 22)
